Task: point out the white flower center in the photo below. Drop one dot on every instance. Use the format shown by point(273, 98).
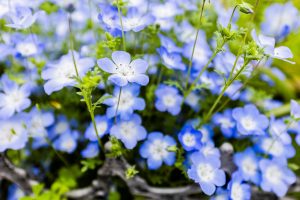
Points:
point(158, 149)
point(169, 100)
point(9, 133)
point(273, 147)
point(128, 130)
point(237, 192)
point(14, 98)
point(205, 172)
point(225, 122)
point(68, 144)
point(126, 100)
point(273, 174)
point(26, 49)
point(248, 166)
point(125, 70)
point(61, 127)
point(189, 140)
point(101, 127)
point(248, 123)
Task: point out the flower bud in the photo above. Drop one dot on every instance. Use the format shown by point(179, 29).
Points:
point(246, 8)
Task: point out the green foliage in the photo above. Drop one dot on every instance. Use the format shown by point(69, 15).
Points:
point(131, 172)
point(66, 180)
point(116, 148)
point(90, 164)
point(49, 7)
point(175, 84)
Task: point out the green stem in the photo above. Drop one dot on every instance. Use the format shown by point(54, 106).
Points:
point(210, 112)
point(71, 44)
point(277, 136)
point(118, 104)
point(86, 95)
point(254, 73)
point(190, 89)
point(56, 152)
point(194, 46)
point(121, 22)
point(231, 17)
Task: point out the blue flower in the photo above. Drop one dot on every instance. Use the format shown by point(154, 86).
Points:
point(127, 104)
point(171, 60)
point(124, 70)
point(276, 176)
point(168, 99)
point(38, 123)
point(295, 109)
point(226, 123)
point(237, 189)
point(275, 147)
point(247, 163)
point(250, 121)
point(190, 138)
point(268, 44)
point(129, 131)
point(61, 74)
point(108, 18)
point(193, 101)
point(13, 133)
point(66, 142)
point(155, 150)
point(202, 51)
point(278, 129)
point(91, 150)
point(23, 18)
point(15, 193)
point(221, 194)
point(169, 45)
point(14, 98)
point(209, 150)
point(206, 171)
point(275, 26)
point(103, 125)
point(135, 20)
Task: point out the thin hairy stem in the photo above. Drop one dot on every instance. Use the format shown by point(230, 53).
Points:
point(57, 153)
point(121, 22)
point(194, 46)
point(71, 44)
point(118, 104)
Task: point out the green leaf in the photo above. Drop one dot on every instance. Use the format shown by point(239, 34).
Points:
point(101, 100)
point(37, 189)
point(175, 84)
point(131, 172)
point(293, 166)
point(89, 164)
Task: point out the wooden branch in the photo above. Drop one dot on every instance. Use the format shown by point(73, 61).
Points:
point(15, 175)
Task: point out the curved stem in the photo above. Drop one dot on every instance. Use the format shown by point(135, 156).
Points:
point(194, 46)
point(231, 17)
point(119, 97)
point(71, 44)
point(190, 89)
point(121, 22)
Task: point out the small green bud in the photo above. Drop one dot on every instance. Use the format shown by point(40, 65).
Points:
point(172, 149)
point(246, 8)
point(131, 172)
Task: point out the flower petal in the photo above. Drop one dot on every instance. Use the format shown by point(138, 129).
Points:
point(107, 65)
point(118, 80)
point(121, 57)
point(139, 66)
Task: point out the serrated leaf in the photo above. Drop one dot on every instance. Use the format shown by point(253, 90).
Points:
point(175, 84)
point(101, 100)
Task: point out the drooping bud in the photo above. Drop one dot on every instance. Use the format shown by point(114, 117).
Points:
point(246, 8)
